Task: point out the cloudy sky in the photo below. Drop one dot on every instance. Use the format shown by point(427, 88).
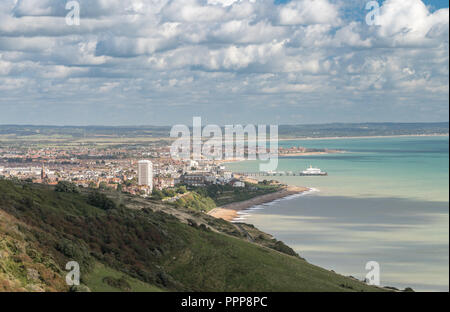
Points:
point(160, 62)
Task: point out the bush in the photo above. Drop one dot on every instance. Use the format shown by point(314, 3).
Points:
point(119, 283)
point(80, 288)
point(182, 189)
point(157, 194)
point(103, 186)
point(102, 201)
point(196, 202)
point(281, 247)
point(67, 187)
point(169, 193)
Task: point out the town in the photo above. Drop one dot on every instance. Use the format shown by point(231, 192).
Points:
point(134, 172)
point(137, 169)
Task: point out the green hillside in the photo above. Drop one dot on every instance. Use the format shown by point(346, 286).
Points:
point(133, 244)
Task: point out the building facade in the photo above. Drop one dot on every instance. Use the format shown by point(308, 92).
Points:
point(145, 173)
point(197, 178)
point(161, 183)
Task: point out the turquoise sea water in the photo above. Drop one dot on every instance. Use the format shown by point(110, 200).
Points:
point(385, 199)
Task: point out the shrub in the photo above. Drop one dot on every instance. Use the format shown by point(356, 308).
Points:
point(103, 186)
point(169, 192)
point(101, 201)
point(67, 187)
point(119, 283)
point(157, 194)
point(182, 189)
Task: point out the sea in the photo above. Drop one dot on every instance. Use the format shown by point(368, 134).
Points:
point(384, 199)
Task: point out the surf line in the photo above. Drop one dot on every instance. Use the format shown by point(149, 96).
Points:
point(243, 214)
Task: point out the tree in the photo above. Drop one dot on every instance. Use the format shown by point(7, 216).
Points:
point(157, 194)
point(101, 201)
point(66, 187)
point(182, 189)
point(103, 186)
point(169, 193)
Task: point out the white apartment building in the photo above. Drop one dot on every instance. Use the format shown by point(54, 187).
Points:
point(145, 173)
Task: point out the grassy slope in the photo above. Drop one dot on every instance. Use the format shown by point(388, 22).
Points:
point(95, 280)
point(215, 262)
point(226, 194)
point(207, 198)
point(154, 247)
point(23, 267)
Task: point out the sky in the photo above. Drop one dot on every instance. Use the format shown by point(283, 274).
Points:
point(161, 62)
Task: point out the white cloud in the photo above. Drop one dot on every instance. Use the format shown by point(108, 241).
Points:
point(409, 23)
point(193, 52)
point(5, 67)
point(307, 12)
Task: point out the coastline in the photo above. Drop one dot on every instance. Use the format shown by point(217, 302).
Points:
point(229, 212)
point(235, 160)
point(363, 137)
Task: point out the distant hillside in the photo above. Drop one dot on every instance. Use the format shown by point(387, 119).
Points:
point(363, 129)
point(140, 245)
point(321, 130)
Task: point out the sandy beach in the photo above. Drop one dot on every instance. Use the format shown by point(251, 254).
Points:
point(229, 212)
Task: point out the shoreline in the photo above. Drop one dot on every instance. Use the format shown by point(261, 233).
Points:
point(235, 160)
point(230, 211)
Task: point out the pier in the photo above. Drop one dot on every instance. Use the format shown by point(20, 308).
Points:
point(268, 174)
point(281, 174)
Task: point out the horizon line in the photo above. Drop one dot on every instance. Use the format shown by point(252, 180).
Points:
point(282, 124)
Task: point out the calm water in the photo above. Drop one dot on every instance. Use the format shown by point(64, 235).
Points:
point(385, 199)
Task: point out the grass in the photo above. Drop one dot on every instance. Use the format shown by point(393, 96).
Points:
point(213, 262)
point(97, 281)
point(196, 202)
